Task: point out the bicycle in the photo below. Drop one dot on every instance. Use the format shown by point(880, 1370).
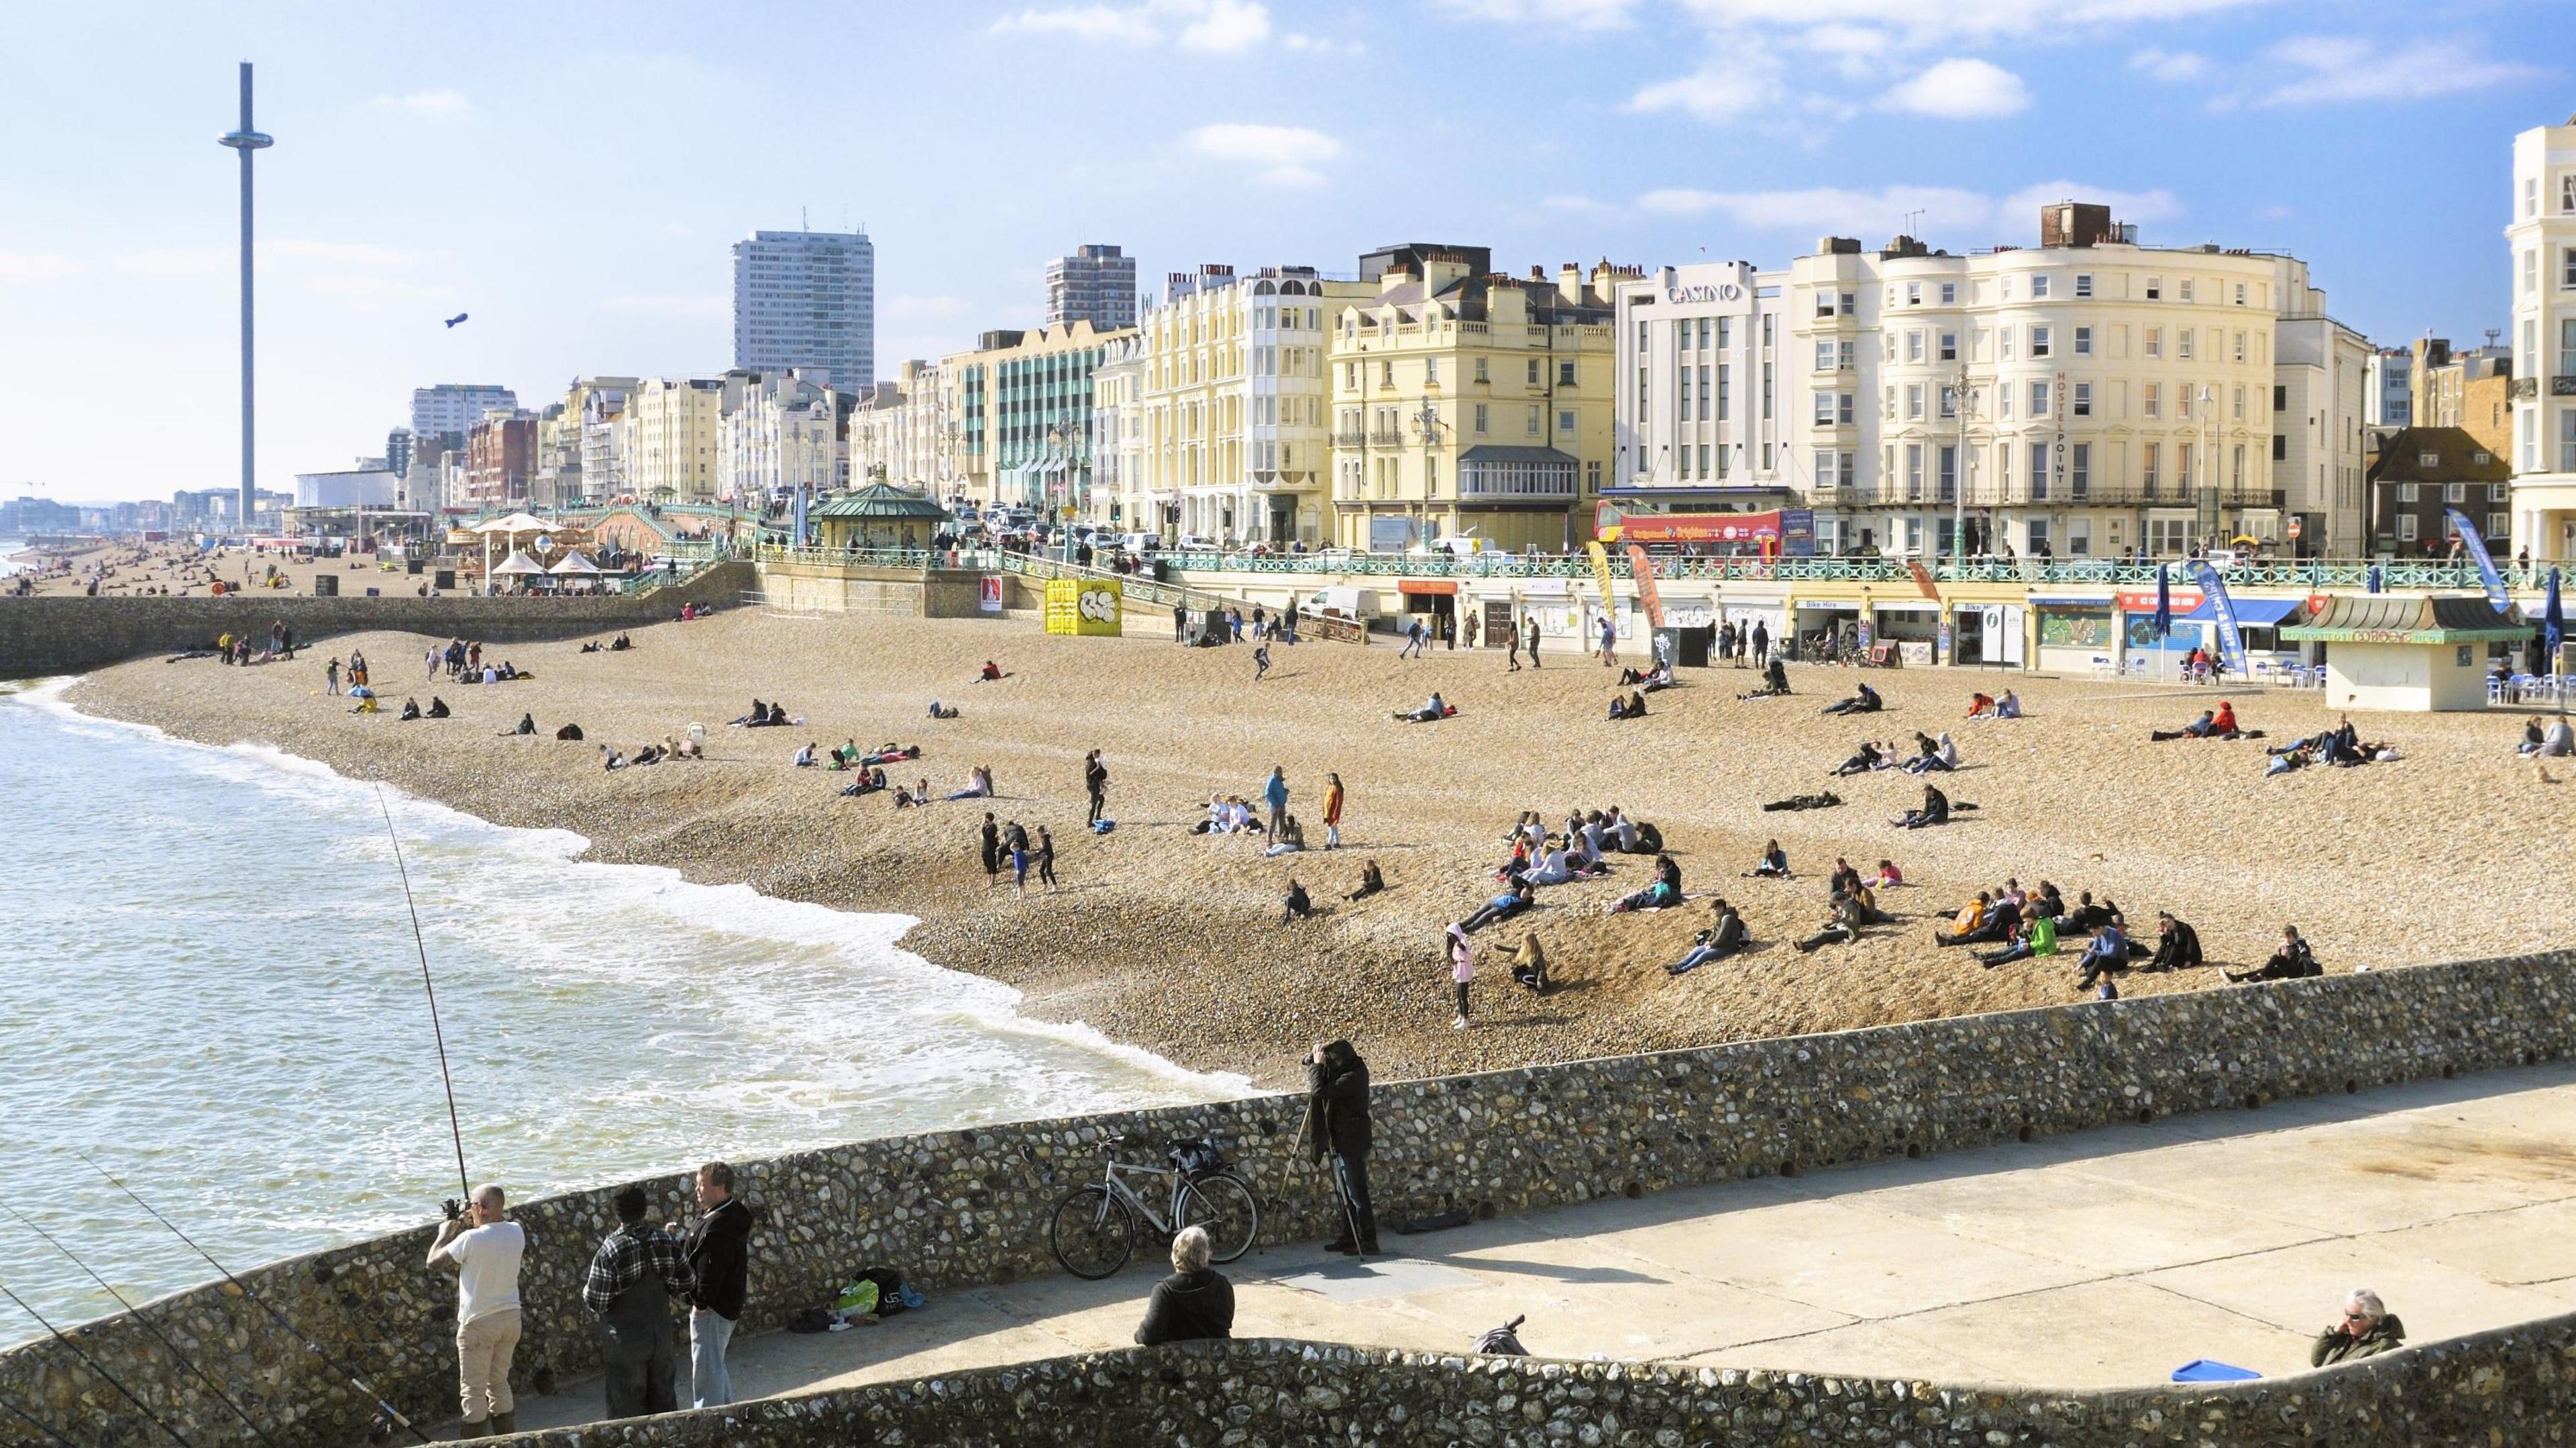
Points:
point(1094, 1229)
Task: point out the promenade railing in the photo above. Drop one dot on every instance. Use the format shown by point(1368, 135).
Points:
point(1139, 587)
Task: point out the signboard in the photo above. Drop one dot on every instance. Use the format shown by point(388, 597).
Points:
point(2143, 600)
point(1712, 527)
point(992, 599)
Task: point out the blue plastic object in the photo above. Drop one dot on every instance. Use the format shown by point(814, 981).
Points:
point(2204, 1370)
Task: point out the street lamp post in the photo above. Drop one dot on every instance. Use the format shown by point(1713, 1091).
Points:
point(246, 141)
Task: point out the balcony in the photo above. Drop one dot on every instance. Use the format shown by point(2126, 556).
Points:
point(2523, 389)
point(1489, 473)
point(1349, 437)
point(2562, 385)
point(1386, 437)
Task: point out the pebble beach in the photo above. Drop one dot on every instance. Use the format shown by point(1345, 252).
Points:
point(1172, 941)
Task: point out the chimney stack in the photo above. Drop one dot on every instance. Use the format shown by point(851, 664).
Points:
point(1569, 282)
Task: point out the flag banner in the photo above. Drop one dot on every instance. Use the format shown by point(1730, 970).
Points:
point(1923, 579)
point(1601, 575)
point(2164, 601)
point(2231, 641)
point(2477, 547)
point(1642, 569)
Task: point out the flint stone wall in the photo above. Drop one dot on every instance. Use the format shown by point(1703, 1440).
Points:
point(67, 635)
point(967, 1207)
point(2512, 1386)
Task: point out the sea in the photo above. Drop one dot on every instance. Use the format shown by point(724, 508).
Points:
point(211, 987)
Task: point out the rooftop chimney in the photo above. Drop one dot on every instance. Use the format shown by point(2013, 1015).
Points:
point(2075, 223)
point(1569, 282)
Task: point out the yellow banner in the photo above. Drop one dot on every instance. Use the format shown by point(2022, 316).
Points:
point(1601, 575)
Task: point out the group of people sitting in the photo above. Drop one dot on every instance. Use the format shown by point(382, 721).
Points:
point(669, 748)
point(2342, 745)
point(1930, 756)
point(849, 756)
point(1864, 700)
point(1228, 814)
point(500, 673)
point(411, 709)
point(1651, 680)
point(765, 716)
point(1631, 705)
point(2212, 724)
point(617, 645)
point(2554, 742)
point(1775, 683)
point(1853, 904)
point(1985, 706)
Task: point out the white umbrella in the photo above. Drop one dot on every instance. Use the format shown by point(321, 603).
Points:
point(519, 562)
point(575, 565)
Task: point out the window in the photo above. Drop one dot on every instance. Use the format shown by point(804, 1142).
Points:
point(2004, 344)
point(2155, 341)
point(1644, 335)
point(2482, 458)
point(1827, 461)
point(2455, 492)
point(2184, 295)
point(1824, 409)
point(1565, 370)
point(2039, 286)
point(1949, 346)
point(1482, 420)
point(1703, 458)
point(1725, 331)
point(1914, 346)
point(2428, 460)
point(2280, 397)
point(2083, 399)
point(1482, 375)
point(2155, 288)
point(1533, 422)
point(2567, 192)
point(2079, 537)
point(2531, 271)
point(2148, 459)
point(1565, 422)
point(1824, 356)
point(2039, 478)
point(2280, 447)
point(2240, 294)
point(1430, 371)
point(2531, 196)
point(2238, 404)
point(2566, 439)
point(2567, 267)
point(1843, 404)
point(1386, 373)
point(1722, 370)
point(2083, 284)
point(2567, 347)
point(2182, 341)
point(1824, 304)
point(1914, 402)
point(2083, 341)
point(1948, 475)
point(2079, 473)
point(1848, 308)
point(1913, 294)
point(1949, 402)
point(2236, 466)
point(2038, 400)
point(2408, 492)
point(2240, 346)
point(1531, 376)
point(1843, 355)
point(2038, 342)
point(2405, 527)
point(2499, 526)
point(1703, 334)
point(1914, 472)
point(1949, 294)
point(1703, 389)
point(2038, 535)
point(1592, 475)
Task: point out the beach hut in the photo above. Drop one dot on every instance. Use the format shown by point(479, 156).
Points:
point(2424, 655)
point(879, 515)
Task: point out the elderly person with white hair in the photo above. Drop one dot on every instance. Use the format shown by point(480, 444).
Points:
point(2368, 1328)
point(1194, 1302)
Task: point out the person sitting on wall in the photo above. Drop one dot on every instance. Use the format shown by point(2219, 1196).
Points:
point(1195, 1302)
point(2293, 961)
point(2366, 1329)
point(1864, 701)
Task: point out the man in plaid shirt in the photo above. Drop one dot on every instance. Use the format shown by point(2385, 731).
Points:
point(630, 1284)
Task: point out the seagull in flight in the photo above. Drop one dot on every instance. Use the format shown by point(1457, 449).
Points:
point(452, 321)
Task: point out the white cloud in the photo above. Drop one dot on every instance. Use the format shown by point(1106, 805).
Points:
point(176, 263)
point(1322, 44)
point(1927, 20)
point(1279, 155)
point(439, 107)
point(1961, 89)
point(1742, 84)
point(2173, 67)
point(1857, 51)
point(668, 306)
point(1949, 215)
point(2346, 68)
point(36, 266)
point(1210, 27)
point(1578, 14)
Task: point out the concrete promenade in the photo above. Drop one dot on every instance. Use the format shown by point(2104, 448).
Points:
point(2100, 1259)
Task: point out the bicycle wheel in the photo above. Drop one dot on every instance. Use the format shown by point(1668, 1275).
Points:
point(1225, 1207)
point(1092, 1233)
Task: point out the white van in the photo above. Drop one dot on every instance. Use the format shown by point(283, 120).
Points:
point(1341, 601)
point(1458, 547)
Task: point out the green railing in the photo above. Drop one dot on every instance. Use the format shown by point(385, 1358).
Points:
point(2308, 573)
point(909, 559)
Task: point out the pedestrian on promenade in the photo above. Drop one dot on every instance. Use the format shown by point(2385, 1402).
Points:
point(1332, 811)
point(1471, 630)
point(483, 1248)
point(2366, 1329)
point(1337, 1127)
point(1275, 794)
point(630, 1283)
point(1046, 858)
point(992, 849)
point(719, 1251)
point(1095, 783)
point(1533, 642)
point(1180, 623)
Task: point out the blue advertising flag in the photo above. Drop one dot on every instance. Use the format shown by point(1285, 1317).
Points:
point(2553, 622)
point(2373, 581)
point(2477, 547)
point(2164, 602)
point(2231, 641)
point(797, 540)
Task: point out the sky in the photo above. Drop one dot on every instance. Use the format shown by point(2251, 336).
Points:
point(572, 177)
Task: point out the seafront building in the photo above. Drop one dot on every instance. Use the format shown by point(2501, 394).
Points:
point(2469, 388)
point(2543, 241)
point(1095, 284)
point(669, 431)
point(1222, 407)
point(778, 433)
point(2391, 387)
point(806, 300)
point(1698, 424)
point(897, 432)
point(2421, 473)
point(450, 409)
point(500, 459)
point(1468, 404)
point(566, 444)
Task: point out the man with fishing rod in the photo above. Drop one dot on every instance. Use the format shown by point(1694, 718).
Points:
point(484, 1249)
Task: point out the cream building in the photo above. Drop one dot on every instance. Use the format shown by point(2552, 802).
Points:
point(2542, 239)
point(1468, 404)
point(565, 451)
point(1223, 416)
point(669, 433)
point(899, 433)
point(1118, 456)
point(1699, 426)
point(2087, 397)
point(778, 432)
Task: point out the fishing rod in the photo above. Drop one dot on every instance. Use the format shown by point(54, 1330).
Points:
point(437, 1033)
point(32, 1421)
point(155, 1328)
point(83, 1354)
point(300, 1335)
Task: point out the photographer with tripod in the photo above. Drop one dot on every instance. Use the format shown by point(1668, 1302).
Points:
point(484, 1249)
point(1337, 1125)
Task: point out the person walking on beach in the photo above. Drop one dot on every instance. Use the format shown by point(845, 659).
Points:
point(1260, 661)
point(1275, 794)
point(484, 1250)
point(1512, 643)
point(1533, 642)
point(1609, 642)
point(1015, 841)
point(1462, 969)
point(1046, 858)
point(1095, 783)
point(1761, 643)
point(630, 1283)
point(1332, 811)
point(992, 849)
point(1414, 635)
point(719, 1252)
point(1337, 1127)
point(331, 677)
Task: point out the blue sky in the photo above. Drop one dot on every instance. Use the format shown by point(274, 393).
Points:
point(573, 176)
